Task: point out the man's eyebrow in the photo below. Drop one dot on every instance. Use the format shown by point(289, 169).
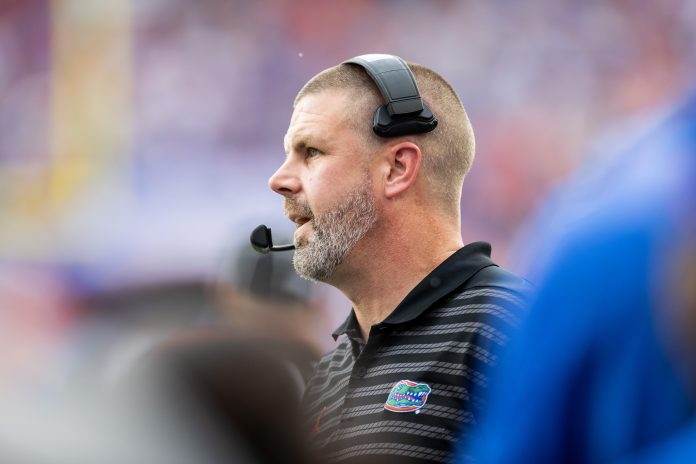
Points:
point(298, 145)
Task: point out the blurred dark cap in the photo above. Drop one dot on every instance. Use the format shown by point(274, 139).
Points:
point(269, 276)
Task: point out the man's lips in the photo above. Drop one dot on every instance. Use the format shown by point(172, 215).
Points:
point(301, 223)
point(301, 227)
point(299, 220)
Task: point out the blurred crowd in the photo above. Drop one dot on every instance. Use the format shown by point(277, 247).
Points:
point(137, 137)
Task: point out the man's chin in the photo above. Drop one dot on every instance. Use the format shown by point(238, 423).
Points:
point(310, 263)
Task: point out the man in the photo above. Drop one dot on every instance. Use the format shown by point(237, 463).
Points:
point(379, 218)
point(603, 368)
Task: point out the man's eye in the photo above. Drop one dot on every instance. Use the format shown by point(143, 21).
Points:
point(313, 152)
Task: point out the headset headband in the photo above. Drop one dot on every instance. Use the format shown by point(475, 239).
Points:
point(404, 111)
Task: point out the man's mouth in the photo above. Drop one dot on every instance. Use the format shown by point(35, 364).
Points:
point(302, 224)
point(301, 215)
point(299, 220)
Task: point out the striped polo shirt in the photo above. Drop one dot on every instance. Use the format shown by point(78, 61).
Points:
point(414, 388)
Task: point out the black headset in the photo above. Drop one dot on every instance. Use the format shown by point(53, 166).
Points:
point(403, 113)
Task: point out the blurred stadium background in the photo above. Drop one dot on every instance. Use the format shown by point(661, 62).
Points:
point(136, 137)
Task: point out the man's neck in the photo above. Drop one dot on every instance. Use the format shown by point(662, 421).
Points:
point(378, 279)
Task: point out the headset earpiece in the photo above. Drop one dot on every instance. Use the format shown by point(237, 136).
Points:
point(404, 112)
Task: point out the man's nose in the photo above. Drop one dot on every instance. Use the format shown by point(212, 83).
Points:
point(285, 181)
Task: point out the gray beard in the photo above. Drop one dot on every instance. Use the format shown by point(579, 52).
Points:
point(335, 234)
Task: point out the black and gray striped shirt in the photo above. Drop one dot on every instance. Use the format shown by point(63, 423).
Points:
point(414, 388)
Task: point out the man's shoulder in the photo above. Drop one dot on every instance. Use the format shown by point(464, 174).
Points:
point(499, 279)
point(494, 290)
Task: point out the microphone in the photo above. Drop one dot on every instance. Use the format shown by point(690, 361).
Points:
point(262, 241)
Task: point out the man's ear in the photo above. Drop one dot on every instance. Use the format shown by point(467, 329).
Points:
point(404, 163)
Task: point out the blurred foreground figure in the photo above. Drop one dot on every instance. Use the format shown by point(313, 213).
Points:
point(239, 398)
point(241, 382)
point(228, 392)
point(261, 298)
point(604, 369)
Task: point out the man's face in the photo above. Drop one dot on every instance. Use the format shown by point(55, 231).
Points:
point(335, 232)
point(326, 184)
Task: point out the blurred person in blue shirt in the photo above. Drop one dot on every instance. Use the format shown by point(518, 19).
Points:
point(602, 370)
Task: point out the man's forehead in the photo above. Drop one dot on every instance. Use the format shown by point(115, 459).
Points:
point(314, 114)
point(320, 104)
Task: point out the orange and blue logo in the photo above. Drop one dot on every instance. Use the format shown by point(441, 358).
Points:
point(407, 396)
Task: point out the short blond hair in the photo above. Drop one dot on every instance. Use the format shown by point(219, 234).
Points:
point(448, 151)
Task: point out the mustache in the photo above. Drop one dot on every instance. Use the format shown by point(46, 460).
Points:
point(297, 208)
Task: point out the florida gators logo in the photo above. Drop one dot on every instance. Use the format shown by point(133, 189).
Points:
point(406, 396)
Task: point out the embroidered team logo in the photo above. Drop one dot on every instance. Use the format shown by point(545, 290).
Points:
point(407, 396)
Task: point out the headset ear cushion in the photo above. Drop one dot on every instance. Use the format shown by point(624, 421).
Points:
point(385, 125)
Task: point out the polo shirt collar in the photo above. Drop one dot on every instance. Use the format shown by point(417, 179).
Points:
point(443, 280)
point(349, 327)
